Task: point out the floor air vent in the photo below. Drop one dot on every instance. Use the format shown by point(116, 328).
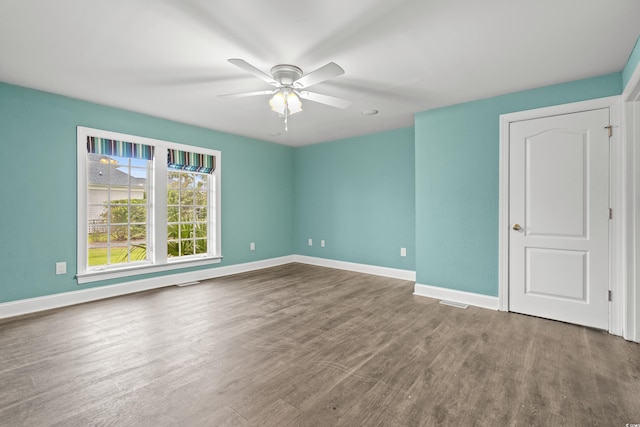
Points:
point(187, 284)
point(454, 304)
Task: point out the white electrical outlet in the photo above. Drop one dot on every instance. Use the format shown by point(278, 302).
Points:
point(403, 251)
point(322, 243)
point(310, 242)
point(61, 268)
point(252, 246)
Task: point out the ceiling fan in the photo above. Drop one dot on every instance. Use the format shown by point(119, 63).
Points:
point(290, 85)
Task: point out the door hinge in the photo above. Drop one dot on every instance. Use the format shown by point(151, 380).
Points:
point(610, 130)
point(610, 213)
point(610, 296)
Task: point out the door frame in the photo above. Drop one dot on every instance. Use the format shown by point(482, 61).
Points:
point(617, 249)
point(631, 131)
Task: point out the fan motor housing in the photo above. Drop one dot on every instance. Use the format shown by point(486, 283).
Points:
point(286, 74)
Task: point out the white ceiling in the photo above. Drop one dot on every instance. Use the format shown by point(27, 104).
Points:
point(168, 58)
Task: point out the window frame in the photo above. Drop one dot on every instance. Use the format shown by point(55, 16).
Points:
point(119, 189)
point(180, 207)
point(157, 227)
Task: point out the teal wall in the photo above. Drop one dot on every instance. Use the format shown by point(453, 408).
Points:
point(457, 160)
point(38, 188)
point(632, 64)
point(432, 188)
point(358, 195)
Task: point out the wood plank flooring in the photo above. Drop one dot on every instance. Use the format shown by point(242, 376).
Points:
point(299, 345)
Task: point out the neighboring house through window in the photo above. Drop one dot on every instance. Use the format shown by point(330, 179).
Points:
point(118, 209)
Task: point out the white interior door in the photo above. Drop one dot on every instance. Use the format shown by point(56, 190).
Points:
point(559, 217)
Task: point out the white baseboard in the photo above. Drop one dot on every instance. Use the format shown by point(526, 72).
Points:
point(477, 300)
point(48, 302)
point(32, 305)
point(359, 268)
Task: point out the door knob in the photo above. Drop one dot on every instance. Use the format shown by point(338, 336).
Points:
point(517, 227)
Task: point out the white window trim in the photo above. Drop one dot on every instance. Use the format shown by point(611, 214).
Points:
point(158, 222)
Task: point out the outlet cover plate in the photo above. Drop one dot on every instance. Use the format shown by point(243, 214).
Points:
point(61, 268)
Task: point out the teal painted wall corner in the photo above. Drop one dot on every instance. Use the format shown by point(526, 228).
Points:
point(457, 171)
point(38, 194)
point(357, 194)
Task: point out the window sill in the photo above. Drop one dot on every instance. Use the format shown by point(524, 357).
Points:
point(116, 273)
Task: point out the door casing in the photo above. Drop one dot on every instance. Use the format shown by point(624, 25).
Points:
point(631, 128)
point(617, 257)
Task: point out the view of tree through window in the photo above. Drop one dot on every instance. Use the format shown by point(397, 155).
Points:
point(118, 209)
point(187, 213)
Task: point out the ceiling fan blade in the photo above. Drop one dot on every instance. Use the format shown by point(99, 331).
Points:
point(324, 99)
point(246, 94)
point(323, 73)
point(241, 63)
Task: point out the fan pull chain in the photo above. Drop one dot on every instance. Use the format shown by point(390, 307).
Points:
point(286, 113)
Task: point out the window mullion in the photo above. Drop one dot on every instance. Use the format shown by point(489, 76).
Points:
point(130, 227)
point(109, 214)
point(159, 206)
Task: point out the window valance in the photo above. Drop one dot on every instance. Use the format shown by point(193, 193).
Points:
point(192, 162)
point(111, 147)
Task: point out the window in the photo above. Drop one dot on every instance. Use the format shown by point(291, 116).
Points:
point(144, 205)
point(187, 213)
point(118, 209)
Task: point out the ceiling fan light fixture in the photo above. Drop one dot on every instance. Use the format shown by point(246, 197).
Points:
point(285, 100)
point(294, 104)
point(277, 103)
point(289, 80)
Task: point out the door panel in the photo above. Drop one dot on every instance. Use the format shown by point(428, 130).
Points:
point(559, 199)
point(557, 274)
point(555, 168)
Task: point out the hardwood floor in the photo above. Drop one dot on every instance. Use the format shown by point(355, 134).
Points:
point(303, 345)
